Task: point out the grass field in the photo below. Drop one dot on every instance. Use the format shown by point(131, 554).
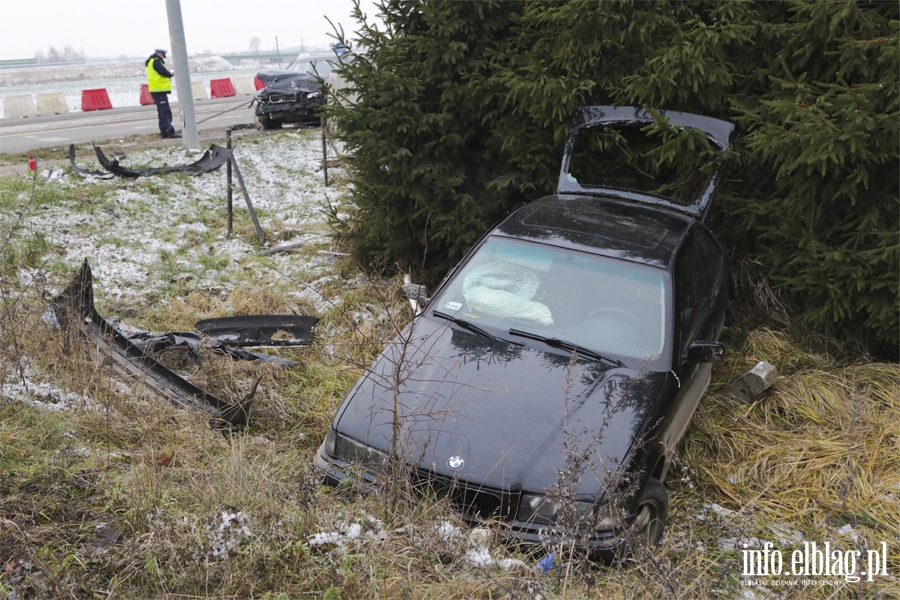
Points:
point(107, 491)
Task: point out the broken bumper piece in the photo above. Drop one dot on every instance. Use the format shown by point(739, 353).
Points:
point(260, 330)
point(83, 171)
point(211, 160)
point(193, 342)
point(74, 310)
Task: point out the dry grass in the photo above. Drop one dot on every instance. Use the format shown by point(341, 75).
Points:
point(121, 495)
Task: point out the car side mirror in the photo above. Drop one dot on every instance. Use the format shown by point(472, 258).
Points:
point(705, 352)
point(417, 294)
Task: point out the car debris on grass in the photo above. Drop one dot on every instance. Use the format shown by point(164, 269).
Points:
point(74, 311)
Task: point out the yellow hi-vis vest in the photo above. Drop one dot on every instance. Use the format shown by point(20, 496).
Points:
point(155, 81)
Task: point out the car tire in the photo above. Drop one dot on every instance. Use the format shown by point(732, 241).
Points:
point(652, 513)
point(269, 123)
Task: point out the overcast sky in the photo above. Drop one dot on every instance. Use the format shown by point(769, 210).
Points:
point(110, 28)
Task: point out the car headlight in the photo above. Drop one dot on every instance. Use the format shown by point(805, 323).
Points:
point(349, 450)
point(542, 510)
point(313, 95)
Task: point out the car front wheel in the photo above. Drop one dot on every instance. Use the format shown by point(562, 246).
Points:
point(267, 122)
point(651, 513)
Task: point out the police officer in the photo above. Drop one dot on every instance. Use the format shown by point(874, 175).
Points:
point(159, 81)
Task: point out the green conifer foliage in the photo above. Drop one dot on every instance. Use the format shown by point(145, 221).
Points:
point(427, 160)
point(462, 109)
point(828, 126)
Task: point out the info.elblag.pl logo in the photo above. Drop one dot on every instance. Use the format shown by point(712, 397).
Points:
point(814, 560)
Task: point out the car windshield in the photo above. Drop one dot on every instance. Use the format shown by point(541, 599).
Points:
point(614, 307)
point(313, 66)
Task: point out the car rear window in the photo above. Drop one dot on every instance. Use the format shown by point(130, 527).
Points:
point(655, 159)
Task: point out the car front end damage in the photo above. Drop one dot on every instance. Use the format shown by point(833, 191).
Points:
point(448, 445)
point(605, 531)
point(288, 98)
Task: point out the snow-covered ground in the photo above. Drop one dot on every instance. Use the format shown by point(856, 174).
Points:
point(121, 80)
point(140, 240)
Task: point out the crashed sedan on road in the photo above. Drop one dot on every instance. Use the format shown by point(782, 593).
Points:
point(547, 383)
point(292, 95)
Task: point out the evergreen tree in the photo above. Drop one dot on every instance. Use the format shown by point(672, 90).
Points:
point(428, 161)
point(463, 108)
point(828, 126)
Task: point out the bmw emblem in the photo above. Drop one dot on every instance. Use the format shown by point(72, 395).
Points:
point(455, 463)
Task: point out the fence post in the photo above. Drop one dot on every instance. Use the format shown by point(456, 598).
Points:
point(228, 185)
point(324, 154)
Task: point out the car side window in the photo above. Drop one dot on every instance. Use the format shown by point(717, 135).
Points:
point(698, 273)
point(690, 278)
point(712, 260)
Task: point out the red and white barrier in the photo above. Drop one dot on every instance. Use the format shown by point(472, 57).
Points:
point(221, 88)
point(95, 100)
point(146, 98)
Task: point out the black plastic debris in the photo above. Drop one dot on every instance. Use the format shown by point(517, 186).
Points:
point(193, 342)
point(260, 330)
point(74, 311)
point(82, 171)
point(212, 159)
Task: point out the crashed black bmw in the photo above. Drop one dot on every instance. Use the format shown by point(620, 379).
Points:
point(547, 383)
point(292, 95)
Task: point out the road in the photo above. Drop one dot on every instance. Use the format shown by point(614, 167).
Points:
point(27, 134)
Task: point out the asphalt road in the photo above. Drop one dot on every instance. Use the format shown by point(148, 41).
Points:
point(29, 134)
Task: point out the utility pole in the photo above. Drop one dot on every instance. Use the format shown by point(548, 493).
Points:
point(190, 139)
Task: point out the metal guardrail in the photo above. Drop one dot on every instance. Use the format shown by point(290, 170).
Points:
point(16, 63)
point(259, 55)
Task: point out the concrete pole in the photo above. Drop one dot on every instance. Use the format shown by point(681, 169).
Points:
point(190, 139)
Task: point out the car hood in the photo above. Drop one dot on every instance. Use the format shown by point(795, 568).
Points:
point(509, 410)
point(287, 81)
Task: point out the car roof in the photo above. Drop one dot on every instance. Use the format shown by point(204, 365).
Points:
point(608, 226)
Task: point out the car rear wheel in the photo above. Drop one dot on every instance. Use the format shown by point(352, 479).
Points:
point(652, 513)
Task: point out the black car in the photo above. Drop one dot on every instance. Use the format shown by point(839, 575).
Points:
point(292, 95)
point(547, 383)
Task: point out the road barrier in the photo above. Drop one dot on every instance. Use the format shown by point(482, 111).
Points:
point(52, 103)
point(244, 86)
point(146, 98)
point(221, 88)
point(95, 100)
point(19, 106)
point(198, 90)
point(258, 83)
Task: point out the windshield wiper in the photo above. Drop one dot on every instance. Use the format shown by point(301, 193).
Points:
point(467, 325)
point(564, 345)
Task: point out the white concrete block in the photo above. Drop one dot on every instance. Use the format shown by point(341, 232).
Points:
point(198, 90)
point(244, 86)
point(52, 103)
point(19, 106)
point(752, 384)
